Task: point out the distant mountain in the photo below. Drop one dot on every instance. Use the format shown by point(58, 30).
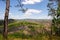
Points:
point(35, 20)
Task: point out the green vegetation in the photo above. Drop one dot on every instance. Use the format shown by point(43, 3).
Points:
point(1, 37)
point(54, 11)
point(27, 30)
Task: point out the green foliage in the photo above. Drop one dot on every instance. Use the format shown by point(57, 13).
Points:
point(30, 25)
point(54, 10)
point(1, 37)
point(32, 28)
point(1, 22)
point(9, 21)
point(19, 35)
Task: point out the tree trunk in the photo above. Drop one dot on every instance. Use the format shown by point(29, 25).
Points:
point(5, 31)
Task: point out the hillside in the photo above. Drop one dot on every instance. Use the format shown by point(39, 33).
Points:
point(29, 29)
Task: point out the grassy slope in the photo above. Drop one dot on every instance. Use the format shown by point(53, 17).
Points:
point(33, 26)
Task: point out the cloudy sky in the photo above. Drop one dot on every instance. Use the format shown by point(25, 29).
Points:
point(37, 9)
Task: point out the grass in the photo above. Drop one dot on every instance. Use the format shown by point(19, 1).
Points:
point(20, 36)
point(1, 37)
point(33, 28)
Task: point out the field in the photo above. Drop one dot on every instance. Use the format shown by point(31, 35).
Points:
point(29, 29)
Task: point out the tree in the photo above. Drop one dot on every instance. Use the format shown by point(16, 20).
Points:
point(21, 6)
point(5, 31)
point(54, 11)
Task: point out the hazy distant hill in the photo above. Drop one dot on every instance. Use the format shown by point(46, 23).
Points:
point(43, 21)
point(10, 21)
point(36, 20)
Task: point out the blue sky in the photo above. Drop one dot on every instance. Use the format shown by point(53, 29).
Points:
point(37, 9)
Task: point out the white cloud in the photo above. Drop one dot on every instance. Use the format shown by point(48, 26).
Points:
point(44, 17)
point(29, 15)
point(13, 16)
point(31, 1)
point(30, 12)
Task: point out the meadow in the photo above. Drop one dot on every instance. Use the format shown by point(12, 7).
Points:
point(30, 29)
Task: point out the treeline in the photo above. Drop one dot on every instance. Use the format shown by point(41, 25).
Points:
point(9, 21)
point(1, 22)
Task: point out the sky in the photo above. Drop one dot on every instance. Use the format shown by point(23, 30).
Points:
point(37, 9)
